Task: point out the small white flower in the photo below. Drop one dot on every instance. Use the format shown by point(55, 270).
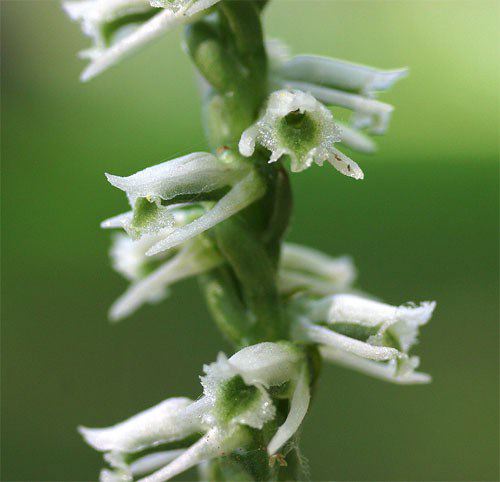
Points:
point(187, 178)
point(120, 27)
point(195, 257)
point(339, 83)
point(352, 328)
point(306, 269)
point(236, 396)
point(296, 124)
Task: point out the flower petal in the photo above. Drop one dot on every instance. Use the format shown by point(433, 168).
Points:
point(298, 409)
point(165, 422)
point(241, 195)
point(383, 371)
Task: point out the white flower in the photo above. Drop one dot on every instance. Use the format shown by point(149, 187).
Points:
point(195, 257)
point(296, 124)
point(236, 395)
point(199, 179)
point(120, 27)
point(306, 269)
point(339, 83)
point(363, 329)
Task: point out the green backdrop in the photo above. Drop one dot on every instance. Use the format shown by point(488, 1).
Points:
point(422, 225)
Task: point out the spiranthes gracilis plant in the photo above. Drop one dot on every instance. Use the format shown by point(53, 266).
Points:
point(222, 216)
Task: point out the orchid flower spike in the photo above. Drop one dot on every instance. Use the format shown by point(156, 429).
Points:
point(239, 395)
point(364, 334)
point(120, 27)
point(214, 187)
point(339, 83)
point(304, 269)
point(296, 124)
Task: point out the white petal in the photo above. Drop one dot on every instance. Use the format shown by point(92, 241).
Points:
point(119, 221)
point(241, 195)
point(115, 476)
point(214, 443)
point(356, 309)
point(345, 165)
point(324, 336)
point(150, 30)
point(246, 145)
point(266, 363)
point(149, 463)
point(296, 257)
point(342, 74)
point(382, 371)
point(194, 173)
point(298, 409)
point(350, 101)
point(193, 259)
point(165, 422)
point(356, 140)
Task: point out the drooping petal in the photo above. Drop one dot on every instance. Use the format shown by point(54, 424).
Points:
point(319, 334)
point(383, 371)
point(216, 442)
point(194, 258)
point(356, 140)
point(166, 422)
point(154, 461)
point(241, 195)
point(298, 409)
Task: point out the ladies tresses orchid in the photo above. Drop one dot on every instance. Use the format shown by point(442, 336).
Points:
point(296, 124)
point(224, 216)
point(352, 329)
point(238, 393)
point(339, 83)
point(120, 27)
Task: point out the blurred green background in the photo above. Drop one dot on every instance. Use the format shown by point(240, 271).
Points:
point(422, 225)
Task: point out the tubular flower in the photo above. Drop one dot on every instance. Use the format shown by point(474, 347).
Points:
point(296, 124)
point(309, 270)
point(221, 186)
point(239, 396)
point(365, 335)
point(120, 27)
point(339, 83)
